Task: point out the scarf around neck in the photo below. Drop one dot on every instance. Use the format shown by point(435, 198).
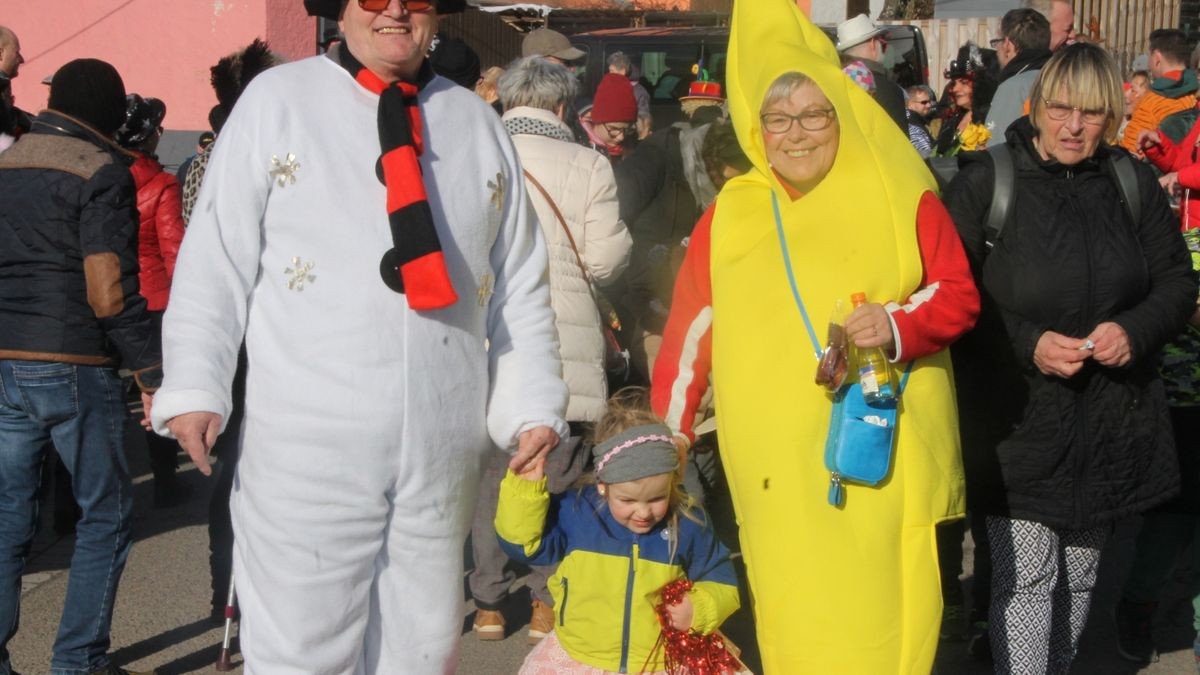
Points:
point(531, 126)
point(415, 265)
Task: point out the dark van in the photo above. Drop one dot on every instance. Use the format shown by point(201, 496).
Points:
point(664, 58)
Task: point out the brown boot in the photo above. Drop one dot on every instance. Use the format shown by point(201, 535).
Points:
point(541, 623)
point(489, 625)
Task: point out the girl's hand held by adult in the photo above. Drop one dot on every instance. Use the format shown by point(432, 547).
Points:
point(1060, 356)
point(535, 470)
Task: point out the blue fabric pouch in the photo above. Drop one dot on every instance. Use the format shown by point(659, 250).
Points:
point(858, 448)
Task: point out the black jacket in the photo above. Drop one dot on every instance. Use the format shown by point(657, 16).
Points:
point(1078, 452)
point(888, 94)
point(68, 252)
point(658, 206)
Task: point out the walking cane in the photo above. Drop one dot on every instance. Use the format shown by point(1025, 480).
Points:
point(223, 663)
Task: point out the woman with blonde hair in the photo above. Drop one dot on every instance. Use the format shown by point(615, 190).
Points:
point(1081, 289)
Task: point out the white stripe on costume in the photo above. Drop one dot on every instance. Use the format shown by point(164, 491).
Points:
point(687, 373)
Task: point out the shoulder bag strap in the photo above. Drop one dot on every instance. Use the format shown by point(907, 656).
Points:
point(608, 314)
point(1126, 178)
point(561, 221)
point(1003, 193)
point(787, 265)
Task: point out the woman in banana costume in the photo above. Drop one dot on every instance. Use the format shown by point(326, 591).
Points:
point(850, 589)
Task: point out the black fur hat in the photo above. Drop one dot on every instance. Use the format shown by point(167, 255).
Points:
point(232, 73)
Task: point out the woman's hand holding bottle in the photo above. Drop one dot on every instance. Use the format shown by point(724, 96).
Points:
point(869, 326)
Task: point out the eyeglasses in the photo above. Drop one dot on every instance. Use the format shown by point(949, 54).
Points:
point(618, 129)
point(407, 5)
point(923, 101)
point(996, 42)
point(883, 44)
point(810, 120)
point(1059, 111)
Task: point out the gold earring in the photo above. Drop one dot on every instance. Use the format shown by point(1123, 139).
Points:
point(601, 490)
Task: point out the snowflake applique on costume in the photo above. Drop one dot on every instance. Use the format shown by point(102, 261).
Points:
point(284, 172)
point(497, 187)
point(298, 274)
point(485, 289)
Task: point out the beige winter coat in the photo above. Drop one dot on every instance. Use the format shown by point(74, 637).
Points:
point(581, 182)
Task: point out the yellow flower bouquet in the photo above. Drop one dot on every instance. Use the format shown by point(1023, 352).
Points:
point(974, 137)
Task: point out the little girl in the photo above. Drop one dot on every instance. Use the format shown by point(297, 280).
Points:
point(618, 542)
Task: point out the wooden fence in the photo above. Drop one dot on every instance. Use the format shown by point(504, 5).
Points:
point(1121, 26)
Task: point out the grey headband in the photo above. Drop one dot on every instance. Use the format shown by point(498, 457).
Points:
point(637, 452)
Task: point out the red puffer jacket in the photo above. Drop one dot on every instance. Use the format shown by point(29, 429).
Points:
point(160, 232)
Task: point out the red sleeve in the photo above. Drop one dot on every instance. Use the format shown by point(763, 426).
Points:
point(168, 225)
point(1165, 155)
point(1179, 159)
point(685, 357)
point(947, 303)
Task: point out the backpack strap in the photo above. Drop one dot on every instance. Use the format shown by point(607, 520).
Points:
point(1126, 176)
point(1003, 193)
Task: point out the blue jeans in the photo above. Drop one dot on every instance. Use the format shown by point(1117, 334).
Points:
point(81, 409)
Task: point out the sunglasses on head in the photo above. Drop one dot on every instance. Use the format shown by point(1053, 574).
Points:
point(408, 5)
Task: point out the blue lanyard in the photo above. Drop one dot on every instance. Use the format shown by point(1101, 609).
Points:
point(787, 264)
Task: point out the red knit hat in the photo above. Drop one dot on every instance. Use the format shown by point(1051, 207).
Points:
point(614, 100)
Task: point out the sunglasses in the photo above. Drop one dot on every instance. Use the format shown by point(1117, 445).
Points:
point(407, 5)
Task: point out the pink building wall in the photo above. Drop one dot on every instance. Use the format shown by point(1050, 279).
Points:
point(162, 48)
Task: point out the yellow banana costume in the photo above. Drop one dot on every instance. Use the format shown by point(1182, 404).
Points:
point(836, 590)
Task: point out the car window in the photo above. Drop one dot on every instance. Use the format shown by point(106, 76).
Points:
point(902, 59)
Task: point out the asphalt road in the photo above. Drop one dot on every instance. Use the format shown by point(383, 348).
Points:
point(161, 617)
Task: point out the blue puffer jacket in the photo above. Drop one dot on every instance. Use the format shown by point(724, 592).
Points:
point(68, 252)
point(608, 578)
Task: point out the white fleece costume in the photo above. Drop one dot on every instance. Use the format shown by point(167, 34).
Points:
point(366, 423)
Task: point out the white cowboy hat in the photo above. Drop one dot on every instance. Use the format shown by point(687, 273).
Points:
point(857, 31)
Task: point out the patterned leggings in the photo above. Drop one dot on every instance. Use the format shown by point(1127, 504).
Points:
point(1042, 580)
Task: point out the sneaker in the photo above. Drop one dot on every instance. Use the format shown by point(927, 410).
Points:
point(954, 623)
point(541, 623)
point(1135, 642)
point(489, 624)
point(979, 644)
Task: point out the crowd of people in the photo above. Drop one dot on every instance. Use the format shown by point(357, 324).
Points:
point(495, 308)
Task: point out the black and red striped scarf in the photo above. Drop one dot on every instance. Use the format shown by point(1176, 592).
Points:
point(415, 265)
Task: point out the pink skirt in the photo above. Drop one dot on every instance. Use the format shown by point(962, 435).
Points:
point(549, 658)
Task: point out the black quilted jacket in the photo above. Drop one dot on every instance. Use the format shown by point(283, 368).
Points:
point(1079, 452)
point(68, 251)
